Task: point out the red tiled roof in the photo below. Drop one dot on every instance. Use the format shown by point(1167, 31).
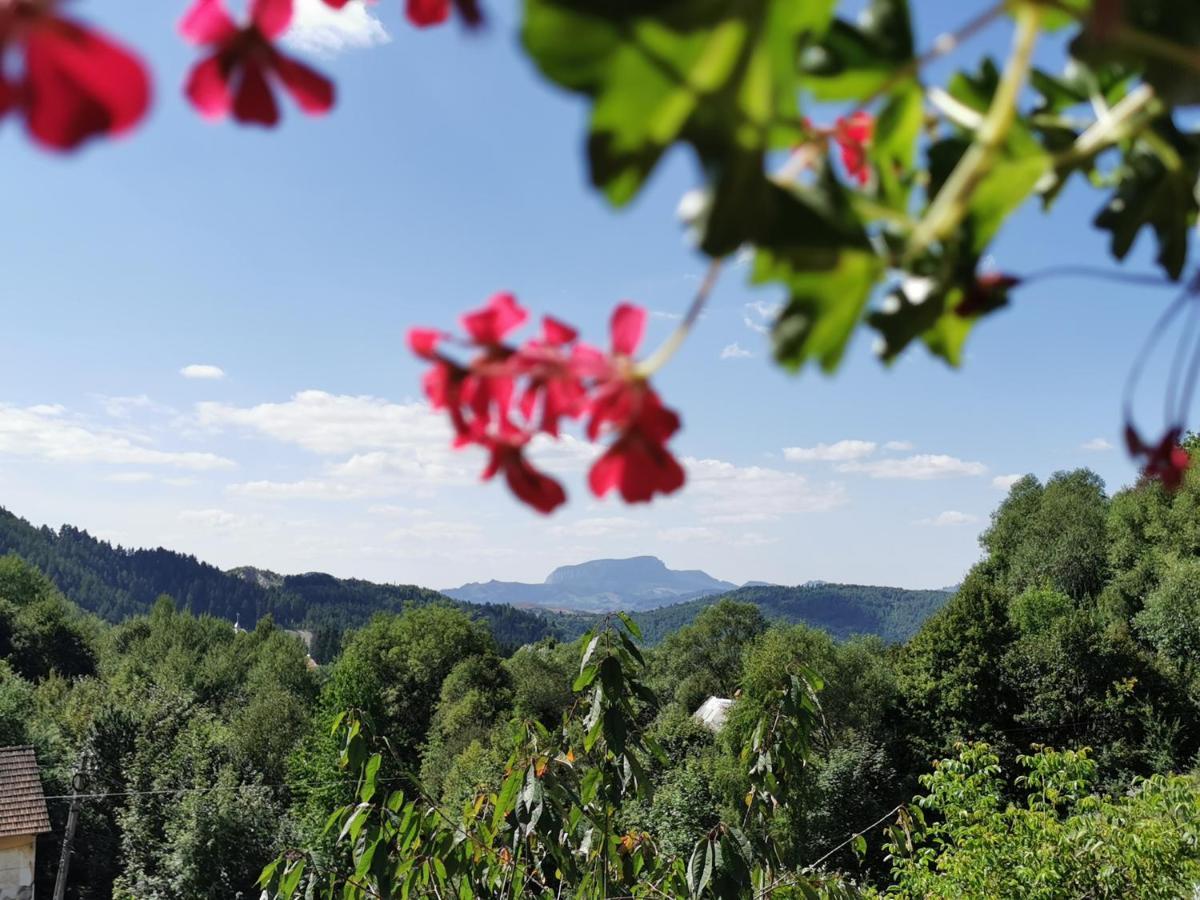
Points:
point(22, 803)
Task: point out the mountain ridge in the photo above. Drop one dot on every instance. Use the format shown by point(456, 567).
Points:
point(631, 584)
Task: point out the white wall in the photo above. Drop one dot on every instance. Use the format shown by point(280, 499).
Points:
point(16, 868)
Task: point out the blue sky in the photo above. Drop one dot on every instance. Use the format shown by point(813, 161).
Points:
point(293, 262)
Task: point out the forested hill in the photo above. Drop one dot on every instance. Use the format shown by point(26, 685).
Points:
point(116, 583)
point(842, 610)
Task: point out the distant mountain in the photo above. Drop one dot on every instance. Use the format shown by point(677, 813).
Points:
point(843, 610)
point(116, 583)
point(601, 585)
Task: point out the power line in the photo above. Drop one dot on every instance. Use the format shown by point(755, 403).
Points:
point(895, 809)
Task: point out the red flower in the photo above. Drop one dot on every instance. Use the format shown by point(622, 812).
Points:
point(234, 77)
point(540, 491)
point(1166, 461)
point(852, 135)
point(552, 377)
point(638, 462)
point(76, 84)
point(424, 13)
point(490, 324)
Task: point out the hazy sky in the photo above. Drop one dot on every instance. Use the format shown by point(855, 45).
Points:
point(203, 340)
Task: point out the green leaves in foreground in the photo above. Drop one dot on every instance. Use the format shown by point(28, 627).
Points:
point(719, 75)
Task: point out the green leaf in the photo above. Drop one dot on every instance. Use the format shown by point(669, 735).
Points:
point(856, 60)
point(368, 787)
point(584, 678)
point(630, 624)
point(894, 145)
point(719, 75)
point(815, 245)
point(824, 308)
point(1157, 189)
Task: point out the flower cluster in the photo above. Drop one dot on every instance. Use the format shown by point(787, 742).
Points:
point(73, 82)
point(234, 76)
point(502, 395)
point(1165, 461)
point(852, 134)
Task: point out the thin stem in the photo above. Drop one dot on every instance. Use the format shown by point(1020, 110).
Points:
point(942, 45)
point(1121, 121)
point(1153, 45)
point(667, 349)
point(1100, 274)
point(949, 207)
point(796, 162)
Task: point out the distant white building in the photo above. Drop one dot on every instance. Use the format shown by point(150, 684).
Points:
point(713, 712)
point(23, 817)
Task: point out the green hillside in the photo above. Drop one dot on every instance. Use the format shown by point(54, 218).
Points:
point(842, 610)
point(117, 583)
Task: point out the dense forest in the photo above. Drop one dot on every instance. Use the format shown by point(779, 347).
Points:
point(116, 583)
point(1045, 720)
point(842, 610)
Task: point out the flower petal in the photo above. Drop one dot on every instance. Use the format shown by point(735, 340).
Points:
point(424, 13)
point(271, 17)
point(208, 88)
point(628, 326)
point(557, 333)
point(424, 342)
point(311, 90)
point(79, 84)
point(254, 101)
point(490, 324)
point(207, 23)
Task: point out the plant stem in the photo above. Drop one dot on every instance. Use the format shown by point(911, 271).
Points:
point(949, 207)
point(666, 350)
point(1121, 121)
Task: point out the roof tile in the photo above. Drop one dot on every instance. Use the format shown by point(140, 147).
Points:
point(22, 802)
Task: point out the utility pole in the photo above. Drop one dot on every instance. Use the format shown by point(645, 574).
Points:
point(78, 783)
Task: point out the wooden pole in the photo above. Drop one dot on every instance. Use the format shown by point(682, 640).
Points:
point(64, 861)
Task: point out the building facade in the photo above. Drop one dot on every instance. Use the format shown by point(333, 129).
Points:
point(23, 817)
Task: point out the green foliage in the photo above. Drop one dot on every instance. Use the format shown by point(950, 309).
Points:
point(962, 838)
point(1036, 609)
point(704, 659)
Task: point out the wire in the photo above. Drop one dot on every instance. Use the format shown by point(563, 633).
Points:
point(196, 790)
point(895, 809)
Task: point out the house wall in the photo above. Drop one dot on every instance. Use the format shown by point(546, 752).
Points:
point(16, 867)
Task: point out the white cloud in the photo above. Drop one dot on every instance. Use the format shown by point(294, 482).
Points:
point(687, 534)
point(391, 510)
point(754, 539)
point(921, 467)
point(1004, 482)
point(949, 518)
point(436, 531)
point(331, 424)
point(323, 31)
point(130, 477)
point(215, 519)
point(203, 372)
point(123, 407)
point(837, 452)
point(723, 492)
point(664, 314)
point(305, 489)
point(1096, 444)
point(898, 445)
point(735, 351)
point(46, 432)
point(760, 315)
point(598, 526)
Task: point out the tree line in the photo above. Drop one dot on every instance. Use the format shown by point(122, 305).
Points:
point(428, 756)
